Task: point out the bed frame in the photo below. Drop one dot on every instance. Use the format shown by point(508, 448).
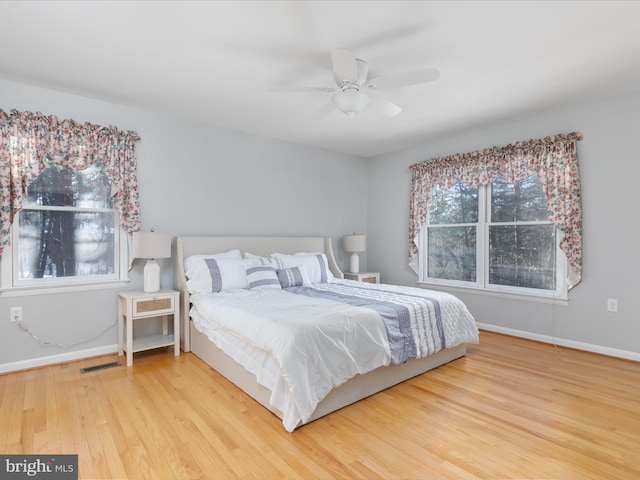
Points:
point(357, 388)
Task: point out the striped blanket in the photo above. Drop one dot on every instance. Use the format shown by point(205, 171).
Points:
point(416, 320)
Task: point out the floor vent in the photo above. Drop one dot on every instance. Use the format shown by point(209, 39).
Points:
point(99, 367)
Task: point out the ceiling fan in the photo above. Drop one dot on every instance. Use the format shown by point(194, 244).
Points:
point(354, 88)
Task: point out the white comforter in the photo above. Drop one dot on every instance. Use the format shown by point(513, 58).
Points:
point(301, 347)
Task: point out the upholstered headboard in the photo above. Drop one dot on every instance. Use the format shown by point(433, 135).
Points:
point(183, 247)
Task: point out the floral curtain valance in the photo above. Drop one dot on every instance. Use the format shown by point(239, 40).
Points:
point(26, 138)
point(553, 159)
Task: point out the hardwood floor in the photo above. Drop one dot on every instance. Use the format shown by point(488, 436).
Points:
point(512, 408)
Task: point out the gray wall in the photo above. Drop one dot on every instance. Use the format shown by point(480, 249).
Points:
point(610, 169)
point(194, 179)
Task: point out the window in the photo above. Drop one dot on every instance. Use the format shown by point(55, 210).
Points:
point(67, 232)
point(496, 236)
point(451, 240)
point(503, 218)
point(68, 202)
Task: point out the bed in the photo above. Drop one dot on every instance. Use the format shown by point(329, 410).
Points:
point(219, 346)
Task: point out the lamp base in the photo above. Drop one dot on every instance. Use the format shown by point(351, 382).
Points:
point(354, 263)
point(151, 276)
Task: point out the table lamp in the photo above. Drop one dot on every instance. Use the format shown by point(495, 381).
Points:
point(353, 244)
point(151, 245)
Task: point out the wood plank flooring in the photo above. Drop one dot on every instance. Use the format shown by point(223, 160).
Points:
point(511, 409)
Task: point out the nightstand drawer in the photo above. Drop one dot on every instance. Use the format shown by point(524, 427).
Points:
point(153, 306)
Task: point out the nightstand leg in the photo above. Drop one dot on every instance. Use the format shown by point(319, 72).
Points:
point(129, 342)
point(120, 334)
point(176, 331)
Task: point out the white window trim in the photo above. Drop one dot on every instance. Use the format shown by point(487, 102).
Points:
point(77, 284)
point(550, 299)
point(481, 285)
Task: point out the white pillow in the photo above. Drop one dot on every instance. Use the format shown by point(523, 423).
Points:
point(192, 260)
point(316, 265)
point(261, 260)
point(218, 274)
point(262, 277)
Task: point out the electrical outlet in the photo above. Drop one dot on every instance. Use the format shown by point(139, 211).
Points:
point(15, 314)
point(612, 305)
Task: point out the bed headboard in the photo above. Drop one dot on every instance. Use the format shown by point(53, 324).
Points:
point(183, 247)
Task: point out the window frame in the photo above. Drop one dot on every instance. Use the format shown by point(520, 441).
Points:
point(12, 286)
point(482, 257)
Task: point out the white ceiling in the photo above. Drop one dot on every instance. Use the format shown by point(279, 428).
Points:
point(213, 61)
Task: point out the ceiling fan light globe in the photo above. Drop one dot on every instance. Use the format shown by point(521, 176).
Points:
point(350, 101)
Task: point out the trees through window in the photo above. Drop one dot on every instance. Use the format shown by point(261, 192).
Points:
point(496, 236)
point(67, 228)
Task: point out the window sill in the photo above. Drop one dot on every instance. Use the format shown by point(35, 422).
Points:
point(494, 293)
point(52, 289)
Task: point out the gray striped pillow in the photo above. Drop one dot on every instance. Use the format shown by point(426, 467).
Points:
point(262, 277)
point(290, 277)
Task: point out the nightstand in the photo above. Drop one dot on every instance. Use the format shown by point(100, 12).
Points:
point(134, 305)
point(369, 277)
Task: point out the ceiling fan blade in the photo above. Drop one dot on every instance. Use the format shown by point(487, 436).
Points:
point(301, 89)
point(404, 79)
point(345, 67)
point(324, 111)
point(383, 106)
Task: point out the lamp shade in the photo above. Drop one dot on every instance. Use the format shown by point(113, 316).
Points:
point(151, 245)
point(354, 243)
point(350, 101)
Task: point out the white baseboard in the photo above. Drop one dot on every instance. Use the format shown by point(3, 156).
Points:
point(55, 359)
point(589, 347)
